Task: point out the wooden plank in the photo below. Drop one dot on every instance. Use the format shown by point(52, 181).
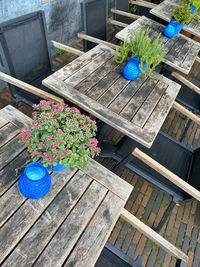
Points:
point(16, 117)
point(155, 237)
point(186, 112)
point(117, 23)
point(30, 88)
point(67, 48)
point(85, 252)
point(66, 237)
point(167, 174)
point(123, 13)
point(11, 172)
point(149, 105)
point(103, 85)
point(9, 151)
point(96, 40)
point(114, 90)
point(47, 225)
point(76, 64)
point(161, 111)
point(190, 58)
point(92, 79)
point(186, 82)
point(80, 75)
point(106, 115)
point(108, 179)
point(3, 122)
point(7, 133)
point(138, 99)
point(122, 99)
point(29, 212)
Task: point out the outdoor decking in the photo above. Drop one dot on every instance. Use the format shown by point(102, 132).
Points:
point(148, 203)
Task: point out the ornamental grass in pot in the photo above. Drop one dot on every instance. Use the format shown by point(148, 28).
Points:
point(142, 54)
point(60, 136)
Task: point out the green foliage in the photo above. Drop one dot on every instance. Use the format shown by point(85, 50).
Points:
point(193, 2)
point(140, 45)
point(182, 14)
point(59, 132)
point(132, 8)
point(61, 52)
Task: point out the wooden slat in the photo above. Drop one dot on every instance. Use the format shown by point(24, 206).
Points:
point(155, 237)
point(3, 122)
point(9, 151)
point(117, 23)
point(47, 225)
point(197, 59)
point(172, 46)
point(11, 172)
point(106, 115)
point(29, 88)
point(7, 133)
point(123, 13)
point(186, 112)
point(66, 237)
point(159, 114)
point(16, 117)
point(143, 3)
point(149, 105)
point(186, 82)
point(80, 75)
point(86, 253)
point(96, 40)
point(167, 174)
point(67, 48)
point(28, 214)
point(95, 77)
point(138, 99)
point(108, 179)
point(79, 62)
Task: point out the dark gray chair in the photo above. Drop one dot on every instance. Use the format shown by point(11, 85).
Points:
point(174, 156)
point(25, 55)
point(112, 257)
point(94, 20)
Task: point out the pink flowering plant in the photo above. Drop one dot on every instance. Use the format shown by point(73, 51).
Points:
point(60, 133)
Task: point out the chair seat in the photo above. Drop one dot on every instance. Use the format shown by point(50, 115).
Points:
point(168, 152)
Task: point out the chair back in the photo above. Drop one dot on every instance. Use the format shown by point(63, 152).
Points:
point(122, 5)
point(24, 51)
point(94, 20)
point(194, 175)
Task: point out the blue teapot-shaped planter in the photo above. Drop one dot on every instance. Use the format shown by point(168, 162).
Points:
point(192, 8)
point(131, 70)
point(173, 28)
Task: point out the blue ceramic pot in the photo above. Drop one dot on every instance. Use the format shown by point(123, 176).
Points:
point(192, 8)
point(132, 70)
point(35, 181)
point(58, 168)
point(173, 28)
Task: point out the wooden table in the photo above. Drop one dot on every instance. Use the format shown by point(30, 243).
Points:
point(181, 50)
point(95, 83)
point(165, 11)
point(70, 224)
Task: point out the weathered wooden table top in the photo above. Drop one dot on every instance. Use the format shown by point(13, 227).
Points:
point(165, 11)
point(95, 83)
point(70, 225)
point(181, 50)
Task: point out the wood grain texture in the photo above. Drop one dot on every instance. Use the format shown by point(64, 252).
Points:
point(7, 133)
point(165, 11)
point(46, 226)
point(99, 88)
point(3, 122)
point(86, 252)
point(173, 46)
point(29, 212)
point(68, 234)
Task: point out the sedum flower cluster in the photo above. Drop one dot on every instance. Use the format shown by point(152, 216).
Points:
point(60, 133)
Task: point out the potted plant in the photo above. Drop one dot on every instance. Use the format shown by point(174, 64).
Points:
point(60, 136)
point(194, 5)
point(143, 54)
point(182, 15)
